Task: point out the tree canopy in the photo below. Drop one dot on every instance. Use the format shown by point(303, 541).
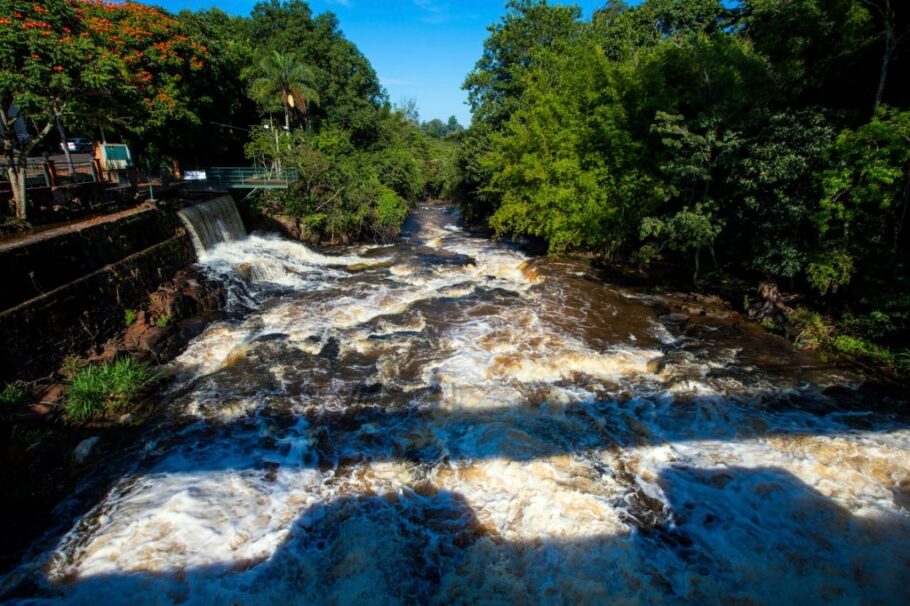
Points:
point(769, 133)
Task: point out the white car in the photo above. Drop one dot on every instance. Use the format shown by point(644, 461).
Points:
point(78, 145)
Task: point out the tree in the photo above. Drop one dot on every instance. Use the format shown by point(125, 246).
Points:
point(286, 82)
point(41, 65)
point(891, 36)
point(122, 65)
point(435, 128)
point(407, 106)
point(453, 126)
point(351, 96)
point(690, 229)
point(528, 27)
point(867, 194)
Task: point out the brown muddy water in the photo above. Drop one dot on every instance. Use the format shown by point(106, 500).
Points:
point(445, 420)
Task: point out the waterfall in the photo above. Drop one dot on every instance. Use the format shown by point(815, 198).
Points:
point(212, 222)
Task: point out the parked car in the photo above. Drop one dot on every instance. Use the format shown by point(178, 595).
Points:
point(78, 145)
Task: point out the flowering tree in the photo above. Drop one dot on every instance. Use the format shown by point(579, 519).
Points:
point(118, 64)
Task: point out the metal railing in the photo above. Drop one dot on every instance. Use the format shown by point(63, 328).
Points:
point(250, 178)
point(48, 173)
point(78, 172)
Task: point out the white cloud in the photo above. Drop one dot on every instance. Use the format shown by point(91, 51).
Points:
point(437, 12)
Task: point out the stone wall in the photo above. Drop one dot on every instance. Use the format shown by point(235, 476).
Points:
point(67, 293)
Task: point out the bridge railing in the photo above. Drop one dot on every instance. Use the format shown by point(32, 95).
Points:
point(237, 177)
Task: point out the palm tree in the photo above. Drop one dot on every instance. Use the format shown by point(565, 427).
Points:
point(286, 80)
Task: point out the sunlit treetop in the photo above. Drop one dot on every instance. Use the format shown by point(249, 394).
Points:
point(125, 62)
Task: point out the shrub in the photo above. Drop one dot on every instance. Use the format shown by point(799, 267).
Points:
point(13, 394)
point(109, 387)
point(902, 361)
point(812, 331)
point(830, 271)
point(856, 347)
point(129, 317)
point(164, 320)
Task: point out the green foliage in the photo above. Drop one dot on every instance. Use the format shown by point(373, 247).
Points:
point(164, 320)
point(851, 337)
point(861, 348)
point(866, 188)
point(283, 82)
point(96, 390)
point(129, 317)
point(902, 361)
point(811, 329)
point(828, 272)
point(344, 191)
point(684, 126)
point(439, 129)
point(13, 394)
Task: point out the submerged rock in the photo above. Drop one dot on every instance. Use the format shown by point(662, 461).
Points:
point(674, 318)
point(358, 267)
point(84, 449)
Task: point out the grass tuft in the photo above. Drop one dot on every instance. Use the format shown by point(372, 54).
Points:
point(129, 317)
point(99, 389)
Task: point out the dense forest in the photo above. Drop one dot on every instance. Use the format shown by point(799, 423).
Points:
point(766, 139)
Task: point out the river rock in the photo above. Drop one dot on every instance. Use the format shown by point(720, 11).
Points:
point(244, 270)
point(358, 267)
point(438, 256)
point(84, 449)
point(674, 318)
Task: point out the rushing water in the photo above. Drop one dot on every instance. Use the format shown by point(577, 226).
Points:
point(444, 421)
point(212, 222)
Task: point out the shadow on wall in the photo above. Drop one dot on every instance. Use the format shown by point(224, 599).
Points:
point(420, 545)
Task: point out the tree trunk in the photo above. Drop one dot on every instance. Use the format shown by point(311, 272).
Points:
point(16, 160)
point(887, 16)
point(16, 176)
point(66, 147)
point(697, 266)
point(769, 302)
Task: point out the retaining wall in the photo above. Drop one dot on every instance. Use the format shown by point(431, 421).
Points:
point(67, 292)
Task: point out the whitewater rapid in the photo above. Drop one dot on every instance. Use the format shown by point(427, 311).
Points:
point(447, 420)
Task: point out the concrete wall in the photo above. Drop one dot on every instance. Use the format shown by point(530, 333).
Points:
point(67, 292)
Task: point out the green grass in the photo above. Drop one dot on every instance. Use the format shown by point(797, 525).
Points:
point(815, 331)
point(13, 394)
point(99, 389)
point(129, 316)
point(164, 320)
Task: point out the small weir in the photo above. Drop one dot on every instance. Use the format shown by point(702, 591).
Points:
point(212, 222)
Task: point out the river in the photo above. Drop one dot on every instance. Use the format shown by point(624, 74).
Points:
point(447, 420)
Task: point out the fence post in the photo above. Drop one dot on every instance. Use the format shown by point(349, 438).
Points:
point(51, 172)
point(47, 173)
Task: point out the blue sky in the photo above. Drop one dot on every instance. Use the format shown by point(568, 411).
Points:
point(419, 48)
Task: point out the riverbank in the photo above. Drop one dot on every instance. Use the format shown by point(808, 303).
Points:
point(84, 297)
point(790, 314)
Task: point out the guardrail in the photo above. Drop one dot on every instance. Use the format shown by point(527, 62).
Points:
point(47, 173)
point(250, 178)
